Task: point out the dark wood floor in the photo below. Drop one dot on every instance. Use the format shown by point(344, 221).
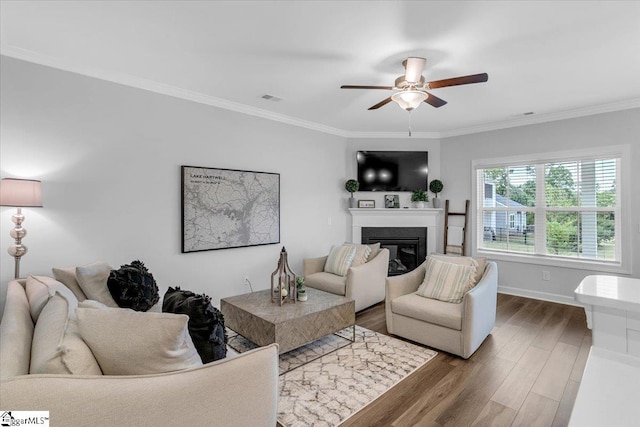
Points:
point(526, 373)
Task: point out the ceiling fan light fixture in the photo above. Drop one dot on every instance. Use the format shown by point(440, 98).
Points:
point(409, 99)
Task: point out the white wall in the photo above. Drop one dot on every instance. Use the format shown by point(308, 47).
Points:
point(593, 131)
point(109, 159)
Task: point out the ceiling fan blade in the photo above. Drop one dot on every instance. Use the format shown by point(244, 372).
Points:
point(414, 67)
point(464, 80)
point(381, 103)
point(365, 87)
point(435, 101)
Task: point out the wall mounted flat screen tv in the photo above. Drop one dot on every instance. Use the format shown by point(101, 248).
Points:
point(392, 170)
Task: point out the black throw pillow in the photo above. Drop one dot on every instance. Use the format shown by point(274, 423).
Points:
point(132, 286)
point(206, 323)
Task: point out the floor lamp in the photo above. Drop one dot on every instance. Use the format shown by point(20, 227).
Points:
point(19, 193)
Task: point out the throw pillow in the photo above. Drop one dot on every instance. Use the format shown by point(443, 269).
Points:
point(57, 347)
point(479, 263)
point(206, 323)
point(339, 260)
point(446, 281)
point(92, 279)
point(40, 288)
point(68, 277)
point(132, 286)
point(362, 254)
point(375, 248)
point(127, 342)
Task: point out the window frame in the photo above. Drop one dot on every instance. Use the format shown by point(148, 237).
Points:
point(622, 210)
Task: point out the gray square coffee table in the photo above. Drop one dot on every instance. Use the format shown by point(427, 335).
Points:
point(291, 325)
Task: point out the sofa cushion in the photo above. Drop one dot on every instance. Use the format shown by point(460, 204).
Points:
point(429, 310)
point(57, 347)
point(16, 333)
point(479, 263)
point(340, 259)
point(446, 281)
point(206, 323)
point(40, 288)
point(133, 286)
point(68, 277)
point(327, 282)
point(92, 279)
point(127, 342)
point(362, 254)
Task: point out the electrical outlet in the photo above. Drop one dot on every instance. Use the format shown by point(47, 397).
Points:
point(546, 276)
point(329, 221)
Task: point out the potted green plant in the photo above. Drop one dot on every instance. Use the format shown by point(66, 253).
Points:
point(352, 186)
point(300, 288)
point(436, 186)
point(419, 197)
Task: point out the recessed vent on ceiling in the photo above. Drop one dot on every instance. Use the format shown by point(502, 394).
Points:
point(271, 98)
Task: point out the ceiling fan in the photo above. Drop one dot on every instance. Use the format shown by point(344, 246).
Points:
point(412, 88)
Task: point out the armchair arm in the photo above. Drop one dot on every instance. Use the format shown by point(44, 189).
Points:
point(479, 313)
point(313, 265)
point(397, 286)
point(365, 283)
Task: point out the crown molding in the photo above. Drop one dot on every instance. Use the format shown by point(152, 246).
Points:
point(176, 92)
point(164, 89)
point(546, 117)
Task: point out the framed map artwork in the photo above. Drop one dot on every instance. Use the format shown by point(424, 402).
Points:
point(225, 208)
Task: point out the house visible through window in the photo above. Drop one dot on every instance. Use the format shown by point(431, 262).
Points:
point(564, 208)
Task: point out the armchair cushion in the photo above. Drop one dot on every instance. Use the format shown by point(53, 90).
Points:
point(327, 282)
point(340, 259)
point(429, 310)
point(446, 281)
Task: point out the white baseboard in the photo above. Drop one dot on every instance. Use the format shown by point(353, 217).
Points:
point(544, 296)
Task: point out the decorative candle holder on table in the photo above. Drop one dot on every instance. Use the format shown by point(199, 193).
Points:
point(283, 281)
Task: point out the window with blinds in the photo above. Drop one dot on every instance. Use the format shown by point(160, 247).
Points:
point(564, 208)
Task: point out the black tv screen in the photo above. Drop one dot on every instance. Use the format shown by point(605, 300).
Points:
point(392, 170)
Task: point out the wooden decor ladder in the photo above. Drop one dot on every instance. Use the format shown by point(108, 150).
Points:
point(457, 232)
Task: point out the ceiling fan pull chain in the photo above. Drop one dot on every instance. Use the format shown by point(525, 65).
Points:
point(409, 122)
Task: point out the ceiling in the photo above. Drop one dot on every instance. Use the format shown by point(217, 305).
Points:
point(555, 59)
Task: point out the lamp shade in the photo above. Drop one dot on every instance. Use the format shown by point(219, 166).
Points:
point(409, 99)
point(20, 193)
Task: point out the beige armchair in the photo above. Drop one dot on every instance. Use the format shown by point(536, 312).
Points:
point(364, 283)
point(454, 328)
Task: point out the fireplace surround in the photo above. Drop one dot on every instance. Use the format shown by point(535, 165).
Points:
point(427, 219)
point(407, 246)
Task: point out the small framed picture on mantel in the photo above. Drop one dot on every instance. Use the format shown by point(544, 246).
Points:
point(392, 201)
point(367, 204)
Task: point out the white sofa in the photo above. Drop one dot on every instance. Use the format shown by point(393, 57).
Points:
point(455, 328)
point(238, 391)
point(363, 283)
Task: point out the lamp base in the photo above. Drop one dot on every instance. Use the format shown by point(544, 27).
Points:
point(17, 250)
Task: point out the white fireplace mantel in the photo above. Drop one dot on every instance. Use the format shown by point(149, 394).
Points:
point(387, 217)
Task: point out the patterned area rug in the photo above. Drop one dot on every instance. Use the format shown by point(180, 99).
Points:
point(330, 389)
